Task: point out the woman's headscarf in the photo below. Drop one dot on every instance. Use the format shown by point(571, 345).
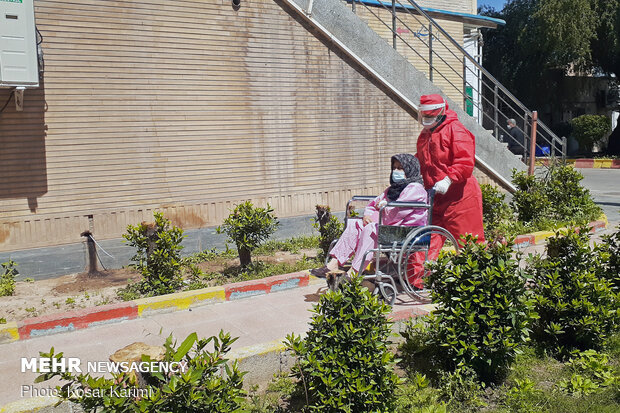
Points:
point(411, 167)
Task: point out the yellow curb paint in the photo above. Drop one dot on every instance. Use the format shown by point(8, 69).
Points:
point(603, 218)
point(312, 280)
point(541, 235)
point(9, 332)
point(427, 307)
point(275, 346)
point(602, 163)
point(33, 404)
point(181, 301)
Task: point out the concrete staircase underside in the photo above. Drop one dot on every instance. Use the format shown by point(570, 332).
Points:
point(346, 32)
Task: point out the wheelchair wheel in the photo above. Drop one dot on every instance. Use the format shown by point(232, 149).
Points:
point(387, 292)
point(416, 255)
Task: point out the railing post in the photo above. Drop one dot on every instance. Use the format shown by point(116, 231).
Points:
point(533, 143)
point(430, 52)
point(526, 147)
point(465, 101)
point(353, 6)
point(495, 104)
point(564, 148)
point(394, 24)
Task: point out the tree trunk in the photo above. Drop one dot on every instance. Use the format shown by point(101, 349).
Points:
point(244, 257)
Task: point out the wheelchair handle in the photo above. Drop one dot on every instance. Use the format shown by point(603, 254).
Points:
point(428, 206)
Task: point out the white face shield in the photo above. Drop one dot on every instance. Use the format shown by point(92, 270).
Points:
point(425, 118)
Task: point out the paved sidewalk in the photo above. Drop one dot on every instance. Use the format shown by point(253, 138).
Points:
point(255, 320)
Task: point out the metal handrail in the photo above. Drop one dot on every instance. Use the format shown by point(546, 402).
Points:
point(486, 80)
point(469, 57)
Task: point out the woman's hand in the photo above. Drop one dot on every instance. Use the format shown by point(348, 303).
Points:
point(366, 220)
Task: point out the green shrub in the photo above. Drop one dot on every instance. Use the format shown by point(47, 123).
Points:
point(158, 256)
point(610, 256)
point(577, 309)
point(530, 201)
point(344, 362)
point(553, 198)
point(248, 226)
point(590, 130)
point(494, 209)
point(7, 279)
point(570, 202)
point(483, 313)
point(201, 388)
point(330, 228)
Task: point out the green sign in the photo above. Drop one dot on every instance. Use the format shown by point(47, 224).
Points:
point(12, 1)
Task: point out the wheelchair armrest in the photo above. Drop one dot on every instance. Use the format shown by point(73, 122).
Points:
point(398, 204)
point(362, 198)
point(356, 198)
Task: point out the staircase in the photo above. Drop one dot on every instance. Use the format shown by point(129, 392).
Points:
point(489, 104)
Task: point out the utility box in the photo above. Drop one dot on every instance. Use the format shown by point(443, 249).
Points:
point(18, 45)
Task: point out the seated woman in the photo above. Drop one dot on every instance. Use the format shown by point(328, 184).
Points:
point(359, 236)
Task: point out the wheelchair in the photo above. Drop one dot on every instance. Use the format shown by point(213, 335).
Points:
point(397, 247)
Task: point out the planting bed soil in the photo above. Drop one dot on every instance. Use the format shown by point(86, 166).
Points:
point(73, 291)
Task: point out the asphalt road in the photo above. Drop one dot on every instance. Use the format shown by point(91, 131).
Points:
point(604, 185)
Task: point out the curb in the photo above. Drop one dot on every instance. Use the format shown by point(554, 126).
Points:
point(36, 404)
point(267, 285)
point(540, 236)
point(9, 332)
point(179, 301)
point(144, 307)
point(595, 163)
point(76, 320)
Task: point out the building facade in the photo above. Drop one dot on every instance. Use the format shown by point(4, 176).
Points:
point(187, 108)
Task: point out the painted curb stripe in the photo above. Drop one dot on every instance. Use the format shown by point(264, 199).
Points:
point(584, 163)
point(9, 332)
point(266, 285)
point(76, 320)
point(541, 235)
point(524, 241)
point(409, 313)
point(275, 346)
point(592, 163)
point(602, 163)
point(180, 301)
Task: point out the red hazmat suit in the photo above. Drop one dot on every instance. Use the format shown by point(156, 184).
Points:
point(449, 150)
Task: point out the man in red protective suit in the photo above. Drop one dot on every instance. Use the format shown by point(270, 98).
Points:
point(446, 151)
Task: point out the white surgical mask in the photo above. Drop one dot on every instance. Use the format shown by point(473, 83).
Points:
point(398, 175)
point(428, 122)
